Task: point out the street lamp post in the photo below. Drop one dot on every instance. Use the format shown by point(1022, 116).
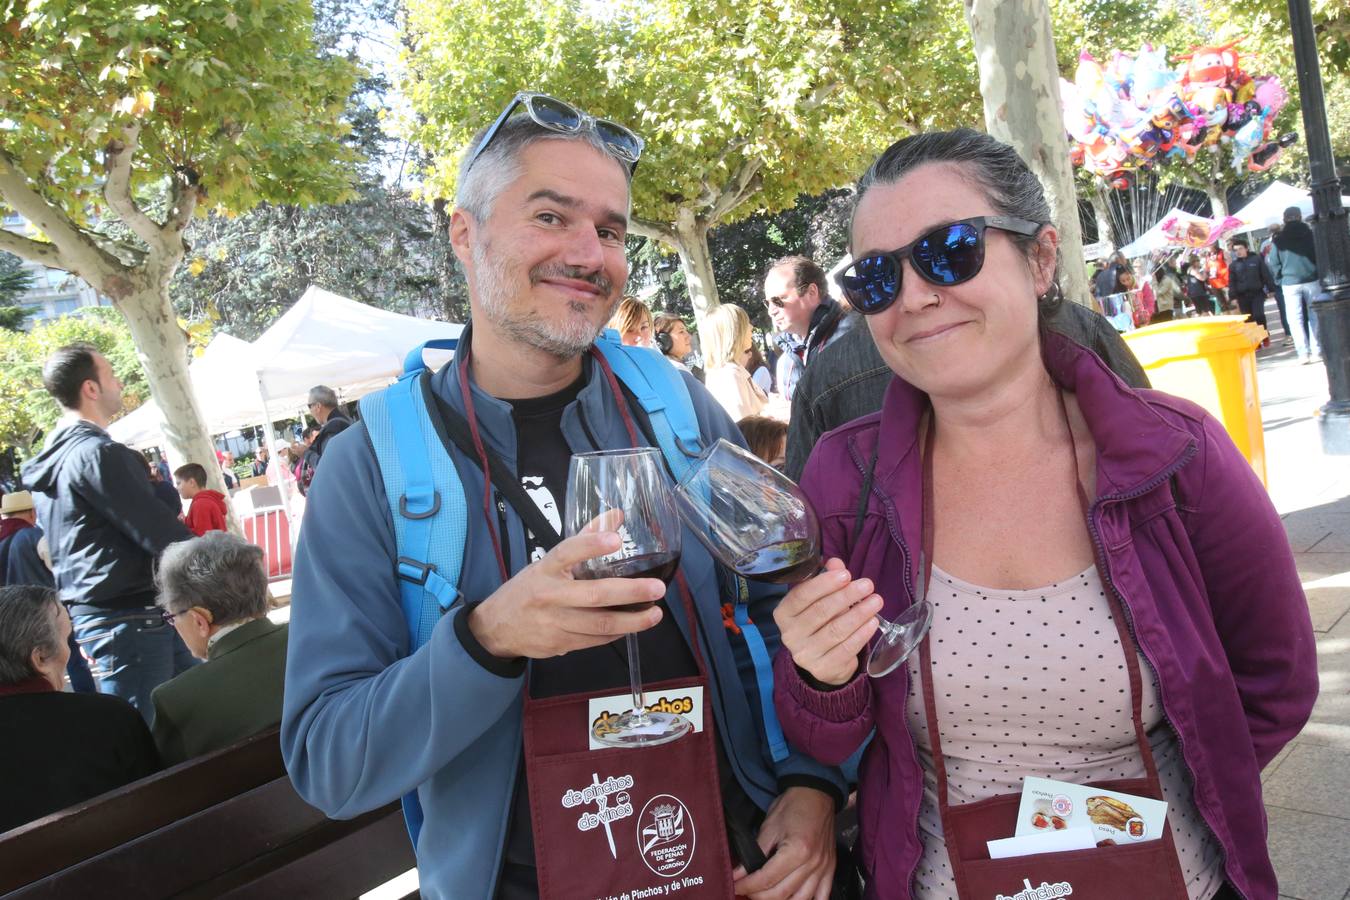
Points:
point(1331, 231)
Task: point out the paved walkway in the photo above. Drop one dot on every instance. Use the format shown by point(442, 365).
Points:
point(1305, 786)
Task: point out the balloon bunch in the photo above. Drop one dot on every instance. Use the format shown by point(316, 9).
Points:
point(1136, 111)
point(1197, 231)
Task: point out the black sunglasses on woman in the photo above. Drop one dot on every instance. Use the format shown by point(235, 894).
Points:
point(947, 255)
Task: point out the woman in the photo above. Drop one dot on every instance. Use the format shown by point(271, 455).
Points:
point(1196, 290)
point(633, 321)
point(1094, 619)
point(767, 439)
point(1167, 290)
point(671, 336)
point(59, 749)
point(726, 348)
point(759, 370)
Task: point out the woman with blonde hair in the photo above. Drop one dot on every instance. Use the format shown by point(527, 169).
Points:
point(633, 321)
point(726, 348)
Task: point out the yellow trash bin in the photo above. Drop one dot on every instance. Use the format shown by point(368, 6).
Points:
point(1210, 360)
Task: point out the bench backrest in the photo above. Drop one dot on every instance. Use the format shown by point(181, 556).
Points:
point(227, 822)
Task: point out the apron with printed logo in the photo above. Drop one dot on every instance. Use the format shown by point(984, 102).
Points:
point(1114, 872)
point(644, 821)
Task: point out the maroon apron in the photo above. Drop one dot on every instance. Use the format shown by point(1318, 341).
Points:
point(620, 820)
point(1124, 872)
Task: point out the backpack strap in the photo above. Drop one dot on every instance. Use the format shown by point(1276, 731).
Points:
point(426, 498)
point(660, 390)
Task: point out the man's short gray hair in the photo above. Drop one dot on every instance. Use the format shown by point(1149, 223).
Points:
point(499, 165)
point(28, 621)
point(323, 395)
point(220, 572)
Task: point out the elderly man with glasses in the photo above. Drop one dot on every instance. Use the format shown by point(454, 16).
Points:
point(482, 725)
point(213, 590)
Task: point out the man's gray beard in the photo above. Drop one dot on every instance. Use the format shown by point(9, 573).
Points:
point(566, 340)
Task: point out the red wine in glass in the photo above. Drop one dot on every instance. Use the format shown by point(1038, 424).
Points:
point(757, 522)
point(661, 565)
point(783, 562)
point(628, 491)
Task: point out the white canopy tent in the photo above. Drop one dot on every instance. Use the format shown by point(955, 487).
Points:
point(322, 339)
point(215, 381)
point(1267, 208)
point(1154, 238)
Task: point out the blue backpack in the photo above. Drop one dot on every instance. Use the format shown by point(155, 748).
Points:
point(430, 512)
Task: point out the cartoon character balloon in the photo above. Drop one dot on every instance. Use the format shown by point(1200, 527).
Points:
point(1136, 111)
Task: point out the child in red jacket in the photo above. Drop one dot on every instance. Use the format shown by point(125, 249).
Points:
point(207, 510)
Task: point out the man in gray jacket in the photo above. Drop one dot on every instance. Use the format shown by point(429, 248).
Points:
point(539, 227)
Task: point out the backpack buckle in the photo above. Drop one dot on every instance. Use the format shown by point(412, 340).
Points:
point(410, 569)
point(425, 514)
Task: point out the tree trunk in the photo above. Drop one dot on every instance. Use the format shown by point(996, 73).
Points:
point(1019, 81)
point(162, 348)
point(691, 242)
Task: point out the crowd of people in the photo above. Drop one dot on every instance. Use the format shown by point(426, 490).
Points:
point(1115, 598)
point(1212, 281)
point(109, 585)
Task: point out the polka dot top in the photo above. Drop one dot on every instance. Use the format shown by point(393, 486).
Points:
point(1034, 683)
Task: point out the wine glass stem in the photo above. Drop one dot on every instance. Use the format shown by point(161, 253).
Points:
point(635, 675)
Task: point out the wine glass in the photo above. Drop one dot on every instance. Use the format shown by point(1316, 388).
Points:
point(627, 491)
point(759, 524)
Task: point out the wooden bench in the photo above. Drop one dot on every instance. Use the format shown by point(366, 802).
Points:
point(229, 824)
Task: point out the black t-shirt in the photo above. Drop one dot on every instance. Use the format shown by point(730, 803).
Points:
point(542, 461)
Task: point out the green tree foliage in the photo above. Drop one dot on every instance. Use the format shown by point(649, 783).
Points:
point(381, 246)
point(26, 409)
point(745, 104)
point(15, 281)
point(144, 114)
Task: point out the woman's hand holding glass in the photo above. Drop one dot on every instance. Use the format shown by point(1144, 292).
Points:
point(826, 621)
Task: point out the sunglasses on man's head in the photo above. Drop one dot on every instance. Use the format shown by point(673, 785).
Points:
point(947, 255)
point(564, 118)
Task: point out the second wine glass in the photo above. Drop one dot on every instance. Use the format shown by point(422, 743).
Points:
point(628, 491)
point(759, 524)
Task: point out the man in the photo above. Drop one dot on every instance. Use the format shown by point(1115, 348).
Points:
point(226, 459)
point(1107, 281)
point(105, 529)
point(539, 227)
point(796, 292)
point(1267, 246)
point(22, 562)
point(1293, 263)
point(260, 461)
point(323, 406)
point(1250, 283)
point(19, 536)
point(206, 508)
point(850, 380)
point(213, 590)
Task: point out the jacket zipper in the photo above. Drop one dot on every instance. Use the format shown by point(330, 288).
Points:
point(502, 528)
point(1129, 624)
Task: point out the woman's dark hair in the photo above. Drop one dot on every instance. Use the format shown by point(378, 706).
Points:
point(990, 165)
point(67, 370)
point(764, 435)
point(756, 360)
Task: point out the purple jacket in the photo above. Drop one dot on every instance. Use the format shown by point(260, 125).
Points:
point(1206, 576)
